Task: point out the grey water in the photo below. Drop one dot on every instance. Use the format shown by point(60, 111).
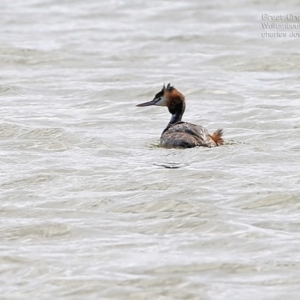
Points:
point(91, 207)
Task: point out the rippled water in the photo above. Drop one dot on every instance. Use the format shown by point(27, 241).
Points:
point(91, 208)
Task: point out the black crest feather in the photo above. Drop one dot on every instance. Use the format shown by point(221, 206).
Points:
point(170, 87)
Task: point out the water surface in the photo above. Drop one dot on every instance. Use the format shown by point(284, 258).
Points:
point(91, 207)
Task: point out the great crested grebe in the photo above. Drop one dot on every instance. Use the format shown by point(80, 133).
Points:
point(180, 134)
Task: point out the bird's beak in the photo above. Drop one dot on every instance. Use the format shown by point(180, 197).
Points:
point(147, 103)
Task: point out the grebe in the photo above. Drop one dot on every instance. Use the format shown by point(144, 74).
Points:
point(180, 134)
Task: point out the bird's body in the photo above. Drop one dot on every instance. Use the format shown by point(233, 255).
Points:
point(186, 135)
point(180, 134)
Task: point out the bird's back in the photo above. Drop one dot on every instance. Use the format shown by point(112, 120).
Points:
point(186, 135)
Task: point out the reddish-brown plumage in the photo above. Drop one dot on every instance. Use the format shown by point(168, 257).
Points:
point(217, 137)
point(171, 97)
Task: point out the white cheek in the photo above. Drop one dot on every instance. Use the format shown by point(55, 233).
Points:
point(162, 102)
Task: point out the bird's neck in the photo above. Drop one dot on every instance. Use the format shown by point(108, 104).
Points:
point(176, 109)
point(175, 118)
